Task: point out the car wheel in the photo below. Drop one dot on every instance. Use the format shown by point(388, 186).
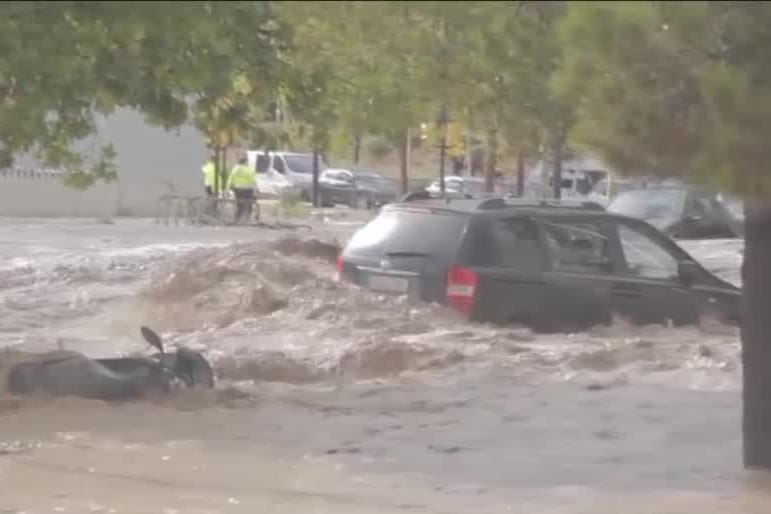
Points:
point(362, 202)
point(712, 317)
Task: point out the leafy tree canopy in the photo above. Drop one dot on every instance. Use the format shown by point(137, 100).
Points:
point(62, 62)
point(673, 88)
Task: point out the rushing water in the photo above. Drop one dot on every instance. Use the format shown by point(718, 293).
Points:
point(334, 399)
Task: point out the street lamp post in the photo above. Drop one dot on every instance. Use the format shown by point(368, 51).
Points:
point(441, 122)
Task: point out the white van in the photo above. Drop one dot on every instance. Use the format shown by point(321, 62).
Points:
point(282, 171)
point(576, 183)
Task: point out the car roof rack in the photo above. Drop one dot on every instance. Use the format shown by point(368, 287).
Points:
point(553, 203)
point(416, 195)
point(425, 195)
point(492, 203)
point(499, 202)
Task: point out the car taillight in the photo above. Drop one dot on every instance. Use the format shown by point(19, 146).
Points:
point(340, 267)
point(461, 286)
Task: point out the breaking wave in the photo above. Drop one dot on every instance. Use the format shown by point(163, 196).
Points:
point(274, 313)
point(329, 369)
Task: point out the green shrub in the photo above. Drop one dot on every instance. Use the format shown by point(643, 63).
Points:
point(291, 205)
point(379, 147)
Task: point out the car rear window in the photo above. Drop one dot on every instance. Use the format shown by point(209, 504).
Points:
point(303, 163)
point(506, 243)
point(649, 204)
point(263, 163)
point(436, 233)
point(577, 246)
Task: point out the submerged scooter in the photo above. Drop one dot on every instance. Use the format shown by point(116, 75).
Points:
point(68, 373)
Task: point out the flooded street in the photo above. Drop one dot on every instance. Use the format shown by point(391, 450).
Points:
point(334, 399)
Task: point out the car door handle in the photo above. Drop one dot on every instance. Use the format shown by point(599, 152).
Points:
point(626, 290)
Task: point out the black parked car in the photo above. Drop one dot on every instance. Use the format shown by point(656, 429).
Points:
point(679, 211)
point(357, 188)
point(551, 266)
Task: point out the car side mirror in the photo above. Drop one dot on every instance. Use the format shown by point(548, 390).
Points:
point(688, 272)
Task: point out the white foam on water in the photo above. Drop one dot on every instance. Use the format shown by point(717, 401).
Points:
point(451, 416)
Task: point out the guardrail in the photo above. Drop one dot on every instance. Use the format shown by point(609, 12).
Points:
point(206, 211)
point(35, 193)
point(201, 210)
point(22, 174)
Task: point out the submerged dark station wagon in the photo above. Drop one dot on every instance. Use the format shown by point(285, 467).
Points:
point(548, 265)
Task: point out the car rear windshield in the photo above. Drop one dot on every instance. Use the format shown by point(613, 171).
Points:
point(263, 163)
point(505, 243)
point(418, 231)
point(648, 204)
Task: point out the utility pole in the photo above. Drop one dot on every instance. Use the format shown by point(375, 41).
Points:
point(218, 167)
point(441, 123)
point(558, 154)
point(443, 118)
point(405, 164)
point(315, 185)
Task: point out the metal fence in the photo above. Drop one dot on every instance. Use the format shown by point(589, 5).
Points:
point(31, 174)
point(206, 211)
point(42, 193)
point(200, 210)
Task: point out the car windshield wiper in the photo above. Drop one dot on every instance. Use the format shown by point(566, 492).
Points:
point(407, 254)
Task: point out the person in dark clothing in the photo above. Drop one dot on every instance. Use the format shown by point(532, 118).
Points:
point(242, 181)
point(244, 202)
point(458, 165)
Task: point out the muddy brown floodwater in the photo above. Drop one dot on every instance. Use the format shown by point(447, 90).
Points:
point(333, 399)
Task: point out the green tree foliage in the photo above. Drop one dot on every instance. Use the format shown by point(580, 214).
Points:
point(486, 62)
point(684, 89)
point(312, 83)
point(673, 88)
point(510, 53)
point(62, 62)
point(354, 68)
point(383, 67)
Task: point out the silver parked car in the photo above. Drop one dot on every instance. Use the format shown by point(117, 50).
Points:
point(356, 187)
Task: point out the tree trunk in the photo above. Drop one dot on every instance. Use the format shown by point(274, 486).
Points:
point(442, 159)
point(217, 169)
point(479, 162)
point(315, 185)
point(404, 161)
point(557, 153)
point(756, 338)
point(520, 175)
point(491, 161)
point(225, 170)
point(471, 129)
point(356, 148)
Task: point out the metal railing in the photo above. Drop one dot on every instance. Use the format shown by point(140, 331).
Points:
point(206, 211)
point(201, 210)
point(31, 174)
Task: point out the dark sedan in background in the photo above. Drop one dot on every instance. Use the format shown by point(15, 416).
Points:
point(357, 188)
point(680, 212)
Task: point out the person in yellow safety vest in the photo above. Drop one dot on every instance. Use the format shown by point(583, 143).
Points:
point(209, 176)
point(242, 181)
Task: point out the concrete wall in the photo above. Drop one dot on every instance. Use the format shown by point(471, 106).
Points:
point(43, 195)
point(151, 162)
